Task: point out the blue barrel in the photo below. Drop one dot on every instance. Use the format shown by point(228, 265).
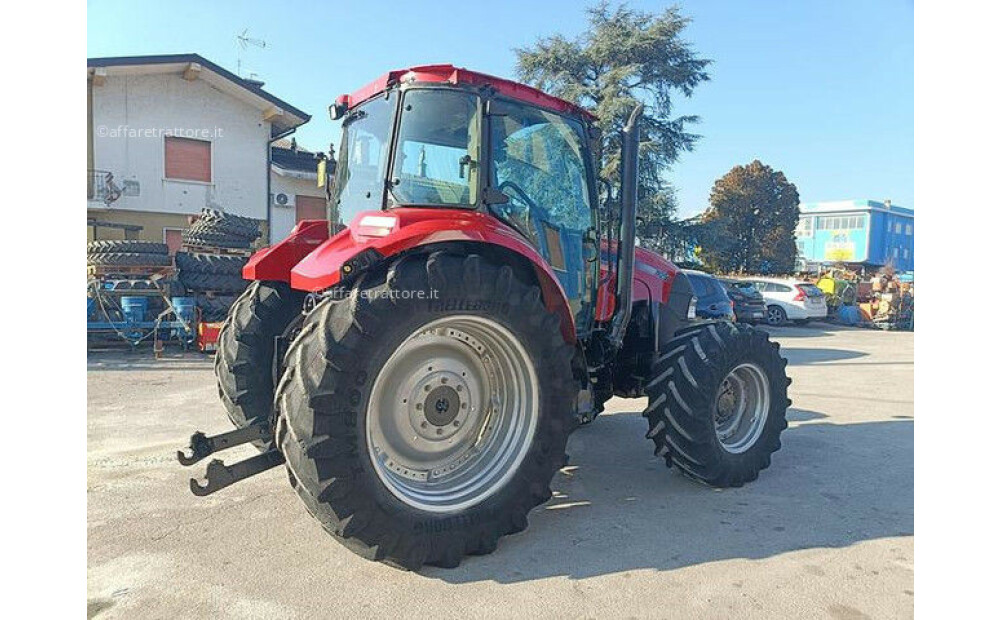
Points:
point(134, 308)
point(183, 308)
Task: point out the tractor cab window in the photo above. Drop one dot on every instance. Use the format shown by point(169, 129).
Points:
point(364, 151)
point(437, 152)
point(538, 164)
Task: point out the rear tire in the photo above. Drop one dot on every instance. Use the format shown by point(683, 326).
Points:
point(244, 361)
point(696, 416)
point(336, 462)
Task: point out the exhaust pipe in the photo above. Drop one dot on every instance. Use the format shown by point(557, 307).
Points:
point(626, 238)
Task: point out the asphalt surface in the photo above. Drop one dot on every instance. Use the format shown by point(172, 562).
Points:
point(826, 532)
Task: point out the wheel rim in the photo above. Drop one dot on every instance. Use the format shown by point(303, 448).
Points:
point(452, 413)
point(742, 403)
point(774, 316)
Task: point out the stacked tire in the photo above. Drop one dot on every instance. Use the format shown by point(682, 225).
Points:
point(127, 253)
point(218, 229)
point(215, 280)
point(216, 273)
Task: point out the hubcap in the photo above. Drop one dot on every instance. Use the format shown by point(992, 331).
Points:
point(452, 413)
point(742, 403)
point(773, 316)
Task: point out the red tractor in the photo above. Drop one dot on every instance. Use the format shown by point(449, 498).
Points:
point(418, 361)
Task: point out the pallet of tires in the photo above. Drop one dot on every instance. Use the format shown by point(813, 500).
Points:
point(127, 253)
point(220, 230)
point(214, 308)
point(221, 274)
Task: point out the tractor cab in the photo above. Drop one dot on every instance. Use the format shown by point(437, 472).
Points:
point(446, 138)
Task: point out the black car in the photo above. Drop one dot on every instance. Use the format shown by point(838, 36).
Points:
point(713, 302)
point(748, 303)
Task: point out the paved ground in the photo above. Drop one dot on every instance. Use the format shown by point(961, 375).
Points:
point(827, 531)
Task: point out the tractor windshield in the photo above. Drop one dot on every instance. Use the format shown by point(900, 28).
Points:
point(364, 151)
point(436, 160)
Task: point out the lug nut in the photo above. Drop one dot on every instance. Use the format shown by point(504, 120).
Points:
point(440, 431)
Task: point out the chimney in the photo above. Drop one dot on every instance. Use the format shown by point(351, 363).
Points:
point(888, 203)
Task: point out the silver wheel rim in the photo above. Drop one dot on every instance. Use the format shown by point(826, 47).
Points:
point(742, 403)
point(773, 316)
point(452, 413)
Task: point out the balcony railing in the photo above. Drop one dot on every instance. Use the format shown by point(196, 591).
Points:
point(101, 187)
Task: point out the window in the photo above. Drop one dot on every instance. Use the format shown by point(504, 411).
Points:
point(906, 253)
point(437, 153)
point(895, 252)
point(773, 287)
point(700, 284)
point(364, 149)
point(539, 164)
point(899, 228)
point(187, 159)
point(909, 229)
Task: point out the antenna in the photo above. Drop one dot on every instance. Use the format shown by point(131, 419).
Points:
point(243, 41)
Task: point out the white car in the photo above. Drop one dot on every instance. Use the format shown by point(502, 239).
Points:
point(790, 300)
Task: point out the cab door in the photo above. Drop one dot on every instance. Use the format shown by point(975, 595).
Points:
point(540, 180)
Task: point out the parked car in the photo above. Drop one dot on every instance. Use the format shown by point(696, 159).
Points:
point(790, 300)
point(748, 303)
point(713, 301)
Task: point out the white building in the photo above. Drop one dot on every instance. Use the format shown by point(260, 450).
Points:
point(168, 135)
point(295, 193)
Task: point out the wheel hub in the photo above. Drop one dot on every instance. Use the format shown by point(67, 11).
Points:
point(742, 403)
point(451, 413)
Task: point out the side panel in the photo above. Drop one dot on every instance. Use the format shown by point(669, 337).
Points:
point(653, 279)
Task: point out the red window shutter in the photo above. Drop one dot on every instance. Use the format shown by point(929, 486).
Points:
point(309, 208)
point(188, 159)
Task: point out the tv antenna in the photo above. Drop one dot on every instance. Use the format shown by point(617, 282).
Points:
point(244, 41)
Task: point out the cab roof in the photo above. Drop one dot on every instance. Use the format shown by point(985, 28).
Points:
point(450, 74)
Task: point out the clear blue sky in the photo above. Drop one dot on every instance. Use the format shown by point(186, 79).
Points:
point(820, 90)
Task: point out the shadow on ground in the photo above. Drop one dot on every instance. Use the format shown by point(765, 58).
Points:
point(804, 356)
point(145, 360)
point(617, 508)
point(813, 329)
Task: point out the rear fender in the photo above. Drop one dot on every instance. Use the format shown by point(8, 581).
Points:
point(275, 262)
point(377, 235)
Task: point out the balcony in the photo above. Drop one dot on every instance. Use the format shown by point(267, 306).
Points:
point(101, 188)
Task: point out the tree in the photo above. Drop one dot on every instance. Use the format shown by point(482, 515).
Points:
point(755, 209)
point(623, 58)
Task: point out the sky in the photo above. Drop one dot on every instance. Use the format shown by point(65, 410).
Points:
point(822, 91)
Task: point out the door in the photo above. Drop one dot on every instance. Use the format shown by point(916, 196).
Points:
point(309, 208)
point(539, 162)
point(172, 237)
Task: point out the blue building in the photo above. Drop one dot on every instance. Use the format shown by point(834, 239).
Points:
point(859, 232)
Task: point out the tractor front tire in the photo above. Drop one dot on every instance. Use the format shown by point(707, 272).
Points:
point(394, 437)
point(717, 403)
point(244, 362)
